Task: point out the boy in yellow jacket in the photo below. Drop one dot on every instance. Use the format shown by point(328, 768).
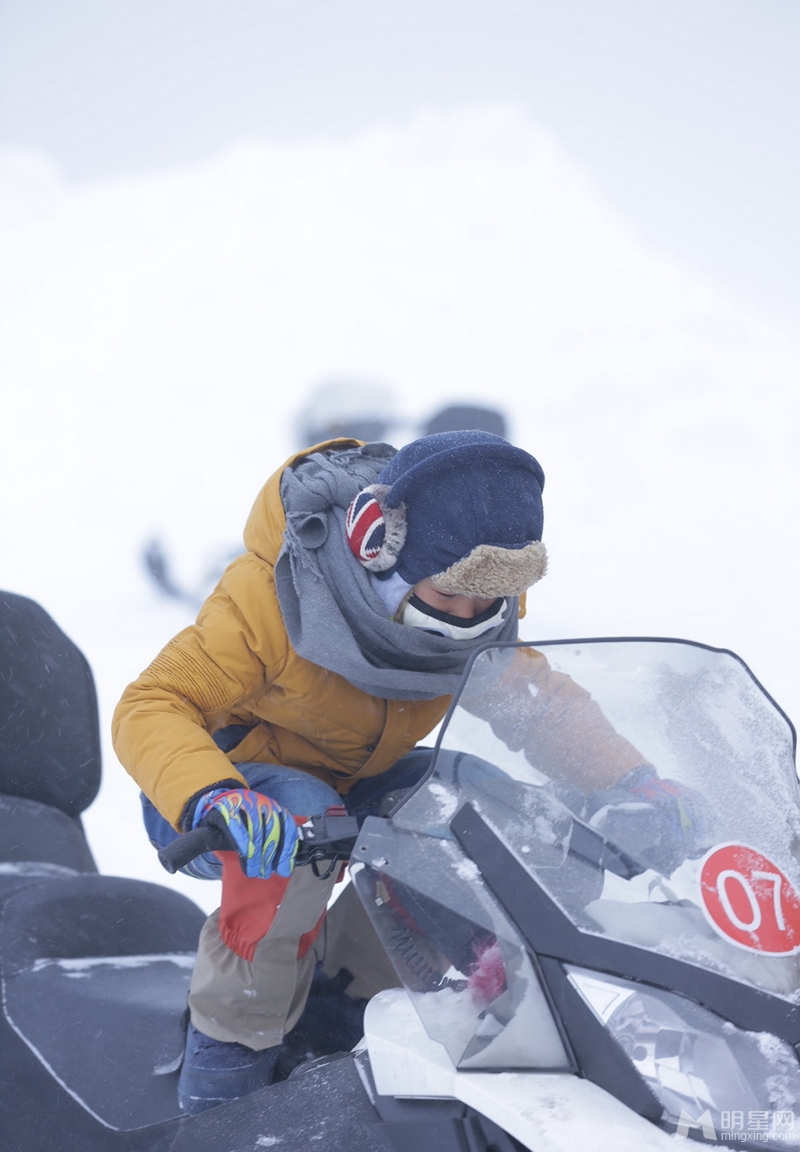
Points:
point(328, 650)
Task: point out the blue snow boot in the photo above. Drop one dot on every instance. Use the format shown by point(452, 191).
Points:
point(214, 1071)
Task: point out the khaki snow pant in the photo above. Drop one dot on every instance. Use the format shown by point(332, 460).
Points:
point(257, 1001)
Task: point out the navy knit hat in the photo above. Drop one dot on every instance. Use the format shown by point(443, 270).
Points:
point(462, 507)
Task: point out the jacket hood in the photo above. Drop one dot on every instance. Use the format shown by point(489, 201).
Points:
point(266, 524)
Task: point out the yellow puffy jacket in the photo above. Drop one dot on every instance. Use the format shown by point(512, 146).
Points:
point(236, 666)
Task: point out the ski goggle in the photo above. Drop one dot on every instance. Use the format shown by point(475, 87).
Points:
point(418, 614)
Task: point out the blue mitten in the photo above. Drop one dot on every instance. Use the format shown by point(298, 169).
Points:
point(260, 830)
point(658, 822)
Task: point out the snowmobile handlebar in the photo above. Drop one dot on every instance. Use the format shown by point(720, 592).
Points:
point(329, 837)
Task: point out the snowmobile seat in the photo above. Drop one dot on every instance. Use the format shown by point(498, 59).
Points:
point(49, 736)
point(49, 740)
point(36, 839)
point(95, 975)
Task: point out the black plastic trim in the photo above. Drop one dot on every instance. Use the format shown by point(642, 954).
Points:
point(550, 932)
point(600, 1058)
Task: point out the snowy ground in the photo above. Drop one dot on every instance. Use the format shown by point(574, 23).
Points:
point(159, 334)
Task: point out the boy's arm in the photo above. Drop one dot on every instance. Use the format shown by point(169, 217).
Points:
point(556, 723)
point(564, 733)
point(161, 725)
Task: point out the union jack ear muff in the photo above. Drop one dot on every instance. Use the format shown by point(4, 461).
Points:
point(375, 532)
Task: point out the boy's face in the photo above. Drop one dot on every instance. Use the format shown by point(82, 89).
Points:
point(465, 607)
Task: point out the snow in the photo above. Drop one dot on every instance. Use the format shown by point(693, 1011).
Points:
point(446, 799)
point(782, 1085)
point(36, 868)
point(467, 870)
point(84, 965)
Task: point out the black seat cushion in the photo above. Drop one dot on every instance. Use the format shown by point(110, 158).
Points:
point(49, 737)
point(95, 974)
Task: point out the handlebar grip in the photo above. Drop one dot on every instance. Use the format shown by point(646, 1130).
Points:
point(329, 837)
point(181, 851)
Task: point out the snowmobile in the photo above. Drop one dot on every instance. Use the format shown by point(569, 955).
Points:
point(564, 982)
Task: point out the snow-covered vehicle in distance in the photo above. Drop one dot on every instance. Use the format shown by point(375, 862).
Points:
point(558, 991)
point(364, 410)
point(352, 409)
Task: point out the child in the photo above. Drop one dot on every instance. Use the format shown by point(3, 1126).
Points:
point(328, 650)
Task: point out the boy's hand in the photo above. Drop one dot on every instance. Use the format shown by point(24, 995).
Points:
point(259, 829)
point(659, 822)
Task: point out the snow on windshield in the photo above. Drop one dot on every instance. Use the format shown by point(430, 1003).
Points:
point(539, 736)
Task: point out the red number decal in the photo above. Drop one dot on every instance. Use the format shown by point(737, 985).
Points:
point(747, 899)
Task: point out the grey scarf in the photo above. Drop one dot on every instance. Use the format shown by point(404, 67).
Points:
point(331, 612)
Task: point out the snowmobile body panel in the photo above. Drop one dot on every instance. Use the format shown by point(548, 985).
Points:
point(547, 1112)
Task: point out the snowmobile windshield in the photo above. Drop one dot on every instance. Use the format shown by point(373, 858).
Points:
point(648, 786)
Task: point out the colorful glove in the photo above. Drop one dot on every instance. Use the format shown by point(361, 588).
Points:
point(264, 834)
point(658, 822)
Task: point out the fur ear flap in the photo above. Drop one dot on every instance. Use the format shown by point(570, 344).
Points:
point(375, 533)
point(490, 571)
